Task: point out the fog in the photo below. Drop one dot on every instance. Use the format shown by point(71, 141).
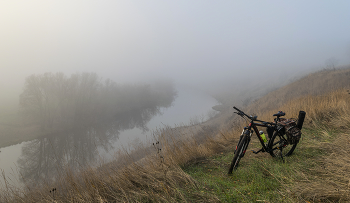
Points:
point(210, 45)
point(88, 75)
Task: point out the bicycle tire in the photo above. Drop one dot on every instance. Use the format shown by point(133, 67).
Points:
point(279, 140)
point(239, 154)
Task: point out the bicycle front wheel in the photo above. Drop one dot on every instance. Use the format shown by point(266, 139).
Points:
point(242, 146)
point(279, 144)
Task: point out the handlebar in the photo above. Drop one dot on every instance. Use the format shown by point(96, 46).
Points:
point(236, 108)
point(241, 113)
point(253, 118)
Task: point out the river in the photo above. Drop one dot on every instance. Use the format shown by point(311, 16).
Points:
point(41, 157)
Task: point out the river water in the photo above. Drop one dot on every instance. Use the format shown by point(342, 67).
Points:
point(40, 158)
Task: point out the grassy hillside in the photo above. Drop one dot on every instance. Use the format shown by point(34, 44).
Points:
point(180, 169)
point(313, 84)
point(317, 171)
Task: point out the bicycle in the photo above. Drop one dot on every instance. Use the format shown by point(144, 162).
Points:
point(279, 143)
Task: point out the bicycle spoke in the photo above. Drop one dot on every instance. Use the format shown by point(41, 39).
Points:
point(280, 146)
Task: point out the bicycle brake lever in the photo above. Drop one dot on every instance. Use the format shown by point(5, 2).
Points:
point(253, 118)
point(239, 113)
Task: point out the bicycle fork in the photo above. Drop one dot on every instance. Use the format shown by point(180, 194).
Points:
point(245, 147)
point(240, 139)
point(247, 133)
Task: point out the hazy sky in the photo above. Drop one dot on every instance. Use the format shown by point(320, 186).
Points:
point(193, 41)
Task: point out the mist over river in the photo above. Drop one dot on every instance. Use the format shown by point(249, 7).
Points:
point(40, 159)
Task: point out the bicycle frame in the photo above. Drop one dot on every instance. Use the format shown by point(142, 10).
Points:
point(277, 137)
point(253, 125)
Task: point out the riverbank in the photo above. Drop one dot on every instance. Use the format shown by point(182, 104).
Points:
point(14, 132)
point(185, 170)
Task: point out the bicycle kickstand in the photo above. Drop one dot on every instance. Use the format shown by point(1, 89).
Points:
point(257, 151)
point(281, 154)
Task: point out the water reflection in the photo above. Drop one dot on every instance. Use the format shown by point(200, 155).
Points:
point(43, 158)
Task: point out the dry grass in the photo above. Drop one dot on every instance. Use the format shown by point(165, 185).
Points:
point(329, 180)
point(131, 184)
point(331, 108)
point(159, 178)
point(327, 114)
point(313, 84)
point(154, 178)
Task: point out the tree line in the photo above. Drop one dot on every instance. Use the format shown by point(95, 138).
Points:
point(56, 101)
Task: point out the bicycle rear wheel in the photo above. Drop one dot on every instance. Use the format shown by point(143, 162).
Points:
point(279, 143)
point(242, 146)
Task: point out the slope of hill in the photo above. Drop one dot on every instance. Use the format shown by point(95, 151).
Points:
point(313, 84)
point(318, 170)
point(182, 170)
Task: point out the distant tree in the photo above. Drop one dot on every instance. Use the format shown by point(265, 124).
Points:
point(331, 63)
point(58, 102)
point(42, 93)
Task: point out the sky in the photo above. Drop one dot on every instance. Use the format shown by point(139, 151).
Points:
point(198, 42)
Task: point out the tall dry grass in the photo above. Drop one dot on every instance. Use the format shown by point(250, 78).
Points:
point(328, 115)
point(317, 83)
point(329, 180)
point(331, 109)
point(158, 177)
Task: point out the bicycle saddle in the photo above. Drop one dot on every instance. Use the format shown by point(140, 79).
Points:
point(280, 113)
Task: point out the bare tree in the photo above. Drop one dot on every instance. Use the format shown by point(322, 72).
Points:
point(331, 63)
